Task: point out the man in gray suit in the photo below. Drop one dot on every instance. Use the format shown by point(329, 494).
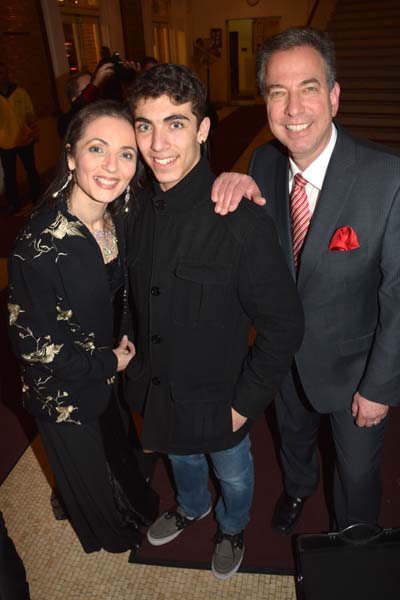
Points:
point(335, 202)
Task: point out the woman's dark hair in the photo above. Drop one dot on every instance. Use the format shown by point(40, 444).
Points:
point(75, 132)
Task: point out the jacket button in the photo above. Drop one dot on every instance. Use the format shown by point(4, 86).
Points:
point(155, 339)
point(155, 380)
point(160, 204)
point(155, 291)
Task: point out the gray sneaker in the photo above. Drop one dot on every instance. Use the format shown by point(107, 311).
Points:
point(228, 554)
point(170, 525)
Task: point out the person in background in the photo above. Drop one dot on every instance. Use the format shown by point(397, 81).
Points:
point(68, 301)
point(105, 56)
point(336, 203)
point(124, 74)
point(148, 62)
point(18, 134)
point(81, 89)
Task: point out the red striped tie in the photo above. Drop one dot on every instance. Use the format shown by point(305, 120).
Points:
point(300, 214)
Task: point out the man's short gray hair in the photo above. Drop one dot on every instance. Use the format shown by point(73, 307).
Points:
point(295, 37)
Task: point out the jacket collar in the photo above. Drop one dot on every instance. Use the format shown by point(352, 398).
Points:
point(282, 207)
point(336, 192)
point(119, 221)
point(187, 193)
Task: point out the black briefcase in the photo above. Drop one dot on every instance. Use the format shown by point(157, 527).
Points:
point(361, 562)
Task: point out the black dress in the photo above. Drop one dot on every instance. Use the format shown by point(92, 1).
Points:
point(105, 496)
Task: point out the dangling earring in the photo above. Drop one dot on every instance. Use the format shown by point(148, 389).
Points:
point(126, 199)
point(62, 188)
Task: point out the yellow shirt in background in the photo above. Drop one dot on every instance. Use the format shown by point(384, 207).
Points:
point(17, 120)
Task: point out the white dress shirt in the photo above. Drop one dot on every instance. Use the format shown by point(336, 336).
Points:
point(315, 173)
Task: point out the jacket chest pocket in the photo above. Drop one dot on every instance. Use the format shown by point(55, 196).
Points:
point(200, 293)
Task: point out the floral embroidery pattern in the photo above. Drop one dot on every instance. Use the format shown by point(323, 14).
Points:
point(25, 234)
point(52, 402)
point(66, 314)
point(41, 248)
point(45, 351)
point(62, 227)
point(37, 346)
point(65, 414)
point(88, 343)
point(63, 315)
point(14, 311)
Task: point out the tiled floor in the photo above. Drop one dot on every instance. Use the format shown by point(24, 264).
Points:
point(58, 569)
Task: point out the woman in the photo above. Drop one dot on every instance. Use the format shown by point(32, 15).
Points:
point(66, 270)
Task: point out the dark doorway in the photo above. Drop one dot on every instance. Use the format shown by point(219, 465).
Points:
point(245, 37)
point(233, 63)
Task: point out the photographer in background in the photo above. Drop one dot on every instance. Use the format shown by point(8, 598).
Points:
point(82, 88)
point(149, 62)
point(109, 81)
point(123, 75)
point(105, 56)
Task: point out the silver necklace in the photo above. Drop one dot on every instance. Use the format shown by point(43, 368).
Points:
point(106, 238)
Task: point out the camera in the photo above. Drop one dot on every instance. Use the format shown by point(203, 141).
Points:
point(121, 71)
point(117, 62)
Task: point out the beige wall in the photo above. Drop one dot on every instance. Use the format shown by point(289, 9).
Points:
point(191, 19)
point(246, 56)
point(111, 27)
point(180, 29)
point(211, 13)
point(182, 26)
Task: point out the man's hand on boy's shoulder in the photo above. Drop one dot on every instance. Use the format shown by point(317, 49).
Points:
point(229, 189)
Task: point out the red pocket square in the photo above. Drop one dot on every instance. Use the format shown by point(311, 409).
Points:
point(344, 238)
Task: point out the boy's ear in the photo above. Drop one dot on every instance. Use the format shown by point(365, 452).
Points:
point(203, 131)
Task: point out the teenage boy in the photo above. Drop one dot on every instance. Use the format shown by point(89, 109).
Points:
point(198, 282)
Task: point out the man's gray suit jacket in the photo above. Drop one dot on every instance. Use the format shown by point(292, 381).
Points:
point(351, 298)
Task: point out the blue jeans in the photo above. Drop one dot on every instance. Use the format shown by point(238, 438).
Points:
point(235, 473)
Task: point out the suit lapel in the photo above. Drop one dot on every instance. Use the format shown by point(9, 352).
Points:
point(335, 193)
point(282, 210)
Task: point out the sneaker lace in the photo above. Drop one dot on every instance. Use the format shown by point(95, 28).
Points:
point(235, 540)
point(181, 520)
